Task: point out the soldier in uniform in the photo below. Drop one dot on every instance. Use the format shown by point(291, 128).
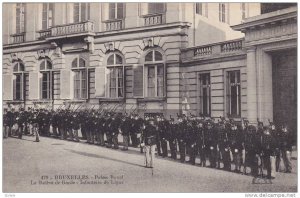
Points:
point(149, 141)
point(236, 146)
point(171, 130)
point(125, 129)
point(107, 130)
point(268, 152)
point(162, 131)
point(200, 142)
point(249, 147)
point(115, 129)
point(223, 145)
point(181, 138)
point(5, 124)
point(212, 144)
point(35, 124)
point(75, 124)
point(192, 139)
point(285, 144)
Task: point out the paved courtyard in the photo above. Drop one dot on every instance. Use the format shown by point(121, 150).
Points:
point(54, 165)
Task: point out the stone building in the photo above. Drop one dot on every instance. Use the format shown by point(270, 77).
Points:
point(253, 77)
point(123, 55)
point(215, 59)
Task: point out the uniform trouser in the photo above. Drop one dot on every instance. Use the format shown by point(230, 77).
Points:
point(6, 129)
point(115, 141)
point(149, 155)
point(286, 157)
point(213, 156)
point(237, 158)
point(192, 153)
point(36, 132)
point(83, 132)
point(226, 158)
point(55, 133)
point(134, 140)
point(63, 134)
point(109, 140)
point(125, 142)
point(202, 152)
point(101, 138)
point(269, 164)
point(249, 160)
point(75, 135)
point(158, 146)
point(164, 147)
point(20, 131)
point(182, 151)
point(172, 145)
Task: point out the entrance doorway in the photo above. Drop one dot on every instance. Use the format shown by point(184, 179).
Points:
point(285, 88)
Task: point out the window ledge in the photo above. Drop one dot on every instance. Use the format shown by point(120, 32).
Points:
point(14, 101)
point(76, 101)
point(111, 99)
point(158, 99)
point(150, 15)
point(42, 101)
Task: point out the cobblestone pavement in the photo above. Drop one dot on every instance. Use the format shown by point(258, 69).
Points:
point(54, 165)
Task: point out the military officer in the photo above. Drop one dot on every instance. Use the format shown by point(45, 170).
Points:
point(149, 142)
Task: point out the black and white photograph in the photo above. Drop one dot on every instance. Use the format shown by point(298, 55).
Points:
point(150, 97)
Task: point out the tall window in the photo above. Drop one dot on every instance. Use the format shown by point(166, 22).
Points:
point(222, 12)
point(234, 93)
point(205, 97)
point(48, 13)
point(80, 78)
point(156, 8)
point(20, 18)
point(47, 79)
point(116, 80)
point(155, 72)
point(19, 81)
point(116, 11)
point(243, 10)
point(81, 12)
point(199, 8)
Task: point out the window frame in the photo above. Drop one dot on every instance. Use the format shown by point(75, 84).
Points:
point(222, 12)
point(144, 9)
point(20, 18)
point(228, 95)
point(200, 91)
point(116, 11)
point(83, 76)
point(21, 74)
point(156, 64)
point(48, 17)
point(80, 14)
point(199, 8)
point(49, 73)
point(117, 67)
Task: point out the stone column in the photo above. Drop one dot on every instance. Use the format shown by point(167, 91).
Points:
point(251, 86)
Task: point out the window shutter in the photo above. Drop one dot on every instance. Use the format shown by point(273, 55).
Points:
point(120, 10)
point(34, 85)
point(83, 12)
point(138, 81)
point(65, 82)
point(100, 82)
point(7, 87)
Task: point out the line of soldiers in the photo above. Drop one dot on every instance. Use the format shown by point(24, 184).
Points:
point(223, 143)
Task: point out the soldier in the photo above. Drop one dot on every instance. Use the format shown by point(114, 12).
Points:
point(249, 147)
point(200, 142)
point(171, 130)
point(192, 139)
point(236, 138)
point(115, 128)
point(107, 130)
point(181, 138)
point(75, 124)
point(162, 132)
point(148, 142)
point(223, 145)
point(20, 119)
point(268, 152)
point(35, 123)
point(212, 144)
point(54, 122)
point(285, 143)
point(125, 130)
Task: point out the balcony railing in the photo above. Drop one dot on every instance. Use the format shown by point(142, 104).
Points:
point(153, 19)
point(201, 51)
point(73, 28)
point(219, 48)
point(113, 25)
point(18, 38)
point(231, 46)
point(44, 33)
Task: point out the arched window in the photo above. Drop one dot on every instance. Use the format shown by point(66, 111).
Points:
point(19, 81)
point(155, 74)
point(116, 75)
point(80, 78)
point(47, 79)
